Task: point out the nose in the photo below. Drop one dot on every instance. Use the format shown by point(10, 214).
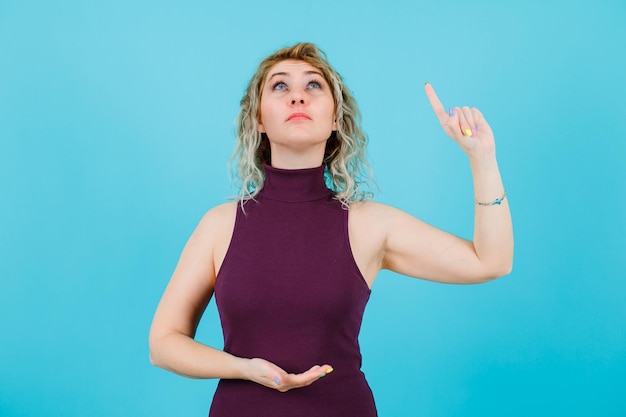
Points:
point(297, 97)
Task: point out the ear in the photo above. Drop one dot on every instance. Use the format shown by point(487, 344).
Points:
point(259, 124)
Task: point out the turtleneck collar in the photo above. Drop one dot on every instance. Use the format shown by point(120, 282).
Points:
point(294, 185)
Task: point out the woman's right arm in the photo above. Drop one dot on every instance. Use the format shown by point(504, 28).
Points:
point(172, 344)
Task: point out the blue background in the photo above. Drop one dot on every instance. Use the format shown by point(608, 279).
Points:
point(116, 122)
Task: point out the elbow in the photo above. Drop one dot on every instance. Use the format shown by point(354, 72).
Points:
point(156, 359)
point(506, 268)
point(497, 271)
point(499, 274)
point(152, 357)
point(506, 271)
point(154, 349)
point(488, 273)
point(494, 264)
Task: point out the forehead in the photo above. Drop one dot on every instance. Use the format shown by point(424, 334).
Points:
point(292, 67)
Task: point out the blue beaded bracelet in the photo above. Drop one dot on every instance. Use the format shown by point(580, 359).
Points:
point(495, 202)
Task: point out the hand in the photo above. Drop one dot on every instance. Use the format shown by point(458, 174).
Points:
point(268, 374)
point(465, 125)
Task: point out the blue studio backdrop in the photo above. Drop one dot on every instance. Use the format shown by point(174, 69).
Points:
point(116, 124)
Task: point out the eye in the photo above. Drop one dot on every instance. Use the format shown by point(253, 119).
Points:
point(279, 86)
point(315, 84)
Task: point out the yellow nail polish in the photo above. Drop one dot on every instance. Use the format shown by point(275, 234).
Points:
point(329, 370)
point(468, 132)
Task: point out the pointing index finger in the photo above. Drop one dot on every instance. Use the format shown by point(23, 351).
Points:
point(435, 103)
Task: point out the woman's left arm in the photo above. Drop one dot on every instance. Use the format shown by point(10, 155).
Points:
point(417, 249)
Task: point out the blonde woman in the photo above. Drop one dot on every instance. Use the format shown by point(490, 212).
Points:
point(292, 262)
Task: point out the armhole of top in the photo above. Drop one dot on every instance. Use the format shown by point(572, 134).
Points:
point(346, 231)
point(227, 255)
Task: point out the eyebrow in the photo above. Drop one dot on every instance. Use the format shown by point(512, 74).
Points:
point(287, 74)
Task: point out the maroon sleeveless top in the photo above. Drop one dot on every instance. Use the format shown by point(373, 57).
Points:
point(289, 291)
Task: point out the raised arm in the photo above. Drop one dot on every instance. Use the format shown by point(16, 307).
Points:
point(172, 344)
point(417, 249)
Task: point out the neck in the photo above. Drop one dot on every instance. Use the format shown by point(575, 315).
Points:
point(294, 185)
point(287, 158)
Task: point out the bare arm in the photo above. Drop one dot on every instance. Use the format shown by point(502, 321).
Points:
point(414, 248)
point(190, 289)
point(172, 344)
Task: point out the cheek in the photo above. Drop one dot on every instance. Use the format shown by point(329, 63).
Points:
point(331, 114)
point(267, 114)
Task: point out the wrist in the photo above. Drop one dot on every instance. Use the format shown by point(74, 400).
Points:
point(496, 202)
point(242, 368)
point(487, 162)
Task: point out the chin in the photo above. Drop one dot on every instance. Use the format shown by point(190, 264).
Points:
point(299, 140)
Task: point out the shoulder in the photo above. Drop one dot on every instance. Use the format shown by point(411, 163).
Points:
point(382, 220)
point(220, 213)
point(209, 241)
point(369, 228)
point(370, 219)
point(378, 214)
point(218, 220)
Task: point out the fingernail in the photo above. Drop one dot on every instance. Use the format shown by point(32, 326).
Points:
point(451, 111)
point(329, 370)
point(426, 83)
point(277, 380)
point(321, 375)
point(476, 127)
point(468, 132)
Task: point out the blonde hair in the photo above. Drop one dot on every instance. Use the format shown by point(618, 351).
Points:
point(347, 172)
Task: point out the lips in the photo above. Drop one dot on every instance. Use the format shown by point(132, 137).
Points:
point(298, 116)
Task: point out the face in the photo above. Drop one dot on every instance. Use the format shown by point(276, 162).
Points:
point(297, 107)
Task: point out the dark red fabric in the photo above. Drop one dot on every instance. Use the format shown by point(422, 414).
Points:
point(290, 292)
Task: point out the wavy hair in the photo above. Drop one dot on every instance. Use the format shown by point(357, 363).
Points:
point(347, 172)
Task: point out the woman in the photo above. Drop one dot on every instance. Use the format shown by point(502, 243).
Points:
point(292, 262)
